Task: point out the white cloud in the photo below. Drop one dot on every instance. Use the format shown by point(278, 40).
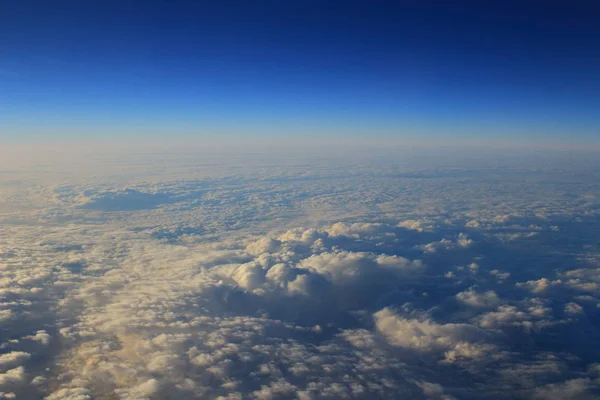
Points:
point(453, 341)
point(14, 358)
point(539, 286)
point(462, 240)
point(505, 315)
point(12, 376)
point(412, 224)
point(70, 394)
point(475, 299)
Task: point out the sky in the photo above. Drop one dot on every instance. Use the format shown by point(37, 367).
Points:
point(438, 71)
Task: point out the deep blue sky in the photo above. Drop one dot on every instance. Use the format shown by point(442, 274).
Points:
point(442, 70)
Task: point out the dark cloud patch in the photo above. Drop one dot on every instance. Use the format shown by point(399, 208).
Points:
point(124, 200)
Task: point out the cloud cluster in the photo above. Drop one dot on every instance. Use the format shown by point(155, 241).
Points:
point(301, 314)
point(355, 281)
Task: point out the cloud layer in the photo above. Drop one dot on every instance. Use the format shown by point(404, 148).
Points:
point(363, 280)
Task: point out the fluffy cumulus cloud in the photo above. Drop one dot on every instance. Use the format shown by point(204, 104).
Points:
point(365, 279)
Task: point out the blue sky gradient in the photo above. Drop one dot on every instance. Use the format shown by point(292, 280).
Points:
point(435, 70)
